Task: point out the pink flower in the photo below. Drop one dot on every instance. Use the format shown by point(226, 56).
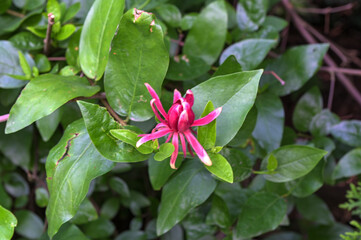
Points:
point(178, 123)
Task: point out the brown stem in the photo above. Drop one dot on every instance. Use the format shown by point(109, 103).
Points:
point(96, 96)
point(332, 91)
point(298, 22)
point(16, 14)
point(349, 71)
point(327, 10)
point(112, 112)
point(47, 41)
point(276, 76)
point(57, 58)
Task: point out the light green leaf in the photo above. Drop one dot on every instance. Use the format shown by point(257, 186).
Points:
point(177, 195)
point(206, 135)
point(71, 165)
point(349, 165)
point(97, 34)
point(165, 151)
point(65, 32)
point(24, 65)
point(45, 94)
point(41, 197)
point(294, 161)
point(220, 167)
point(272, 163)
point(99, 123)
point(348, 132)
point(54, 8)
point(262, 212)
point(138, 56)
point(42, 63)
point(131, 137)
point(251, 14)
point(7, 224)
point(238, 92)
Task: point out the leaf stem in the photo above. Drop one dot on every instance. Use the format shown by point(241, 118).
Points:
point(144, 4)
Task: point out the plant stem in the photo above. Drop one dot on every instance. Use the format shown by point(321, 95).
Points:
point(112, 112)
point(47, 41)
point(16, 14)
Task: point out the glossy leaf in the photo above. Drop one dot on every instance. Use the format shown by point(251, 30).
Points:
point(348, 132)
point(65, 32)
point(30, 225)
point(72, 52)
point(270, 120)
point(240, 163)
point(206, 135)
point(261, 213)
point(26, 41)
point(42, 63)
point(165, 151)
point(294, 161)
point(159, 172)
point(349, 165)
point(71, 165)
point(177, 198)
point(138, 56)
point(230, 65)
point(251, 14)
point(99, 123)
point(249, 53)
point(45, 94)
point(85, 213)
point(315, 209)
point(170, 14)
point(322, 122)
point(7, 224)
point(221, 167)
point(238, 92)
point(97, 34)
point(100, 228)
point(296, 66)
point(131, 137)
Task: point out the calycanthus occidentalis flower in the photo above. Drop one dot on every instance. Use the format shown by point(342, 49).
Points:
point(178, 123)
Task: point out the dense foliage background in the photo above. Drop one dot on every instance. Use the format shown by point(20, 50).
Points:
point(285, 149)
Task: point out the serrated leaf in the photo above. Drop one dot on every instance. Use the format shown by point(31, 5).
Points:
point(70, 167)
point(100, 24)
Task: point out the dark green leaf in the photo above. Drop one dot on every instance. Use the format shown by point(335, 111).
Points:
point(348, 132)
point(249, 53)
point(165, 151)
point(42, 63)
point(230, 65)
point(45, 94)
point(9, 23)
point(219, 213)
point(177, 195)
point(26, 41)
point(48, 125)
point(220, 167)
point(30, 225)
point(134, 235)
point(71, 165)
point(246, 130)
point(7, 224)
point(322, 123)
point(159, 172)
point(270, 119)
point(100, 23)
point(237, 97)
point(15, 184)
point(315, 209)
point(5, 6)
point(70, 231)
point(206, 135)
point(41, 197)
point(240, 163)
point(110, 208)
point(99, 123)
point(349, 165)
point(138, 56)
point(294, 161)
point(85, 213)
point(100, 228)
point(196, 227)
point(284, 236)
point(261, 213)
point(119, 186)
point(296, 66)
point(251, 14)
point(331, 232)
point(170, 14)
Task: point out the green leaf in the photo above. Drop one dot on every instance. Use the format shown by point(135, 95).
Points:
point(272, 163)
point(138, 56)
point(70, 231)
point(110, 208)
point(238, 94)
point(54, 8)
point(65, 32)
point(308, 184)
point(48, 125)
point(69, 71)
point(296, 66)
point(245, 132)
point(262, 212)
point(315, 209)
point(165, 151)
point(119, 186)
point(206, 135)
point(294, 161)
point(270, 120)
point(230, 65)
point(7, 224)
point(240, 163)
point(249, 53)
point(170, 14)
point(5, 6)
point(134, 235)
point(42, 63)
point(195, 226)
point(15, 185)
point(45, 94)
point(331, 232)
point(100, 228)
point(307, 107)
point(26, 41)
point(177, 195)
point(24, 65)
point(9, 23)
point(284, 236)
point(99, 123)
point(85, 213)
point(97, 34)
point(71, 165)
point(71, 12)
point(72, 52)
point(188, 21)
point(39, 31)
point(321, 123)
point(9, 64)
point(30, 225)
point(348, 132)
point(349, 165)
point(131, 137)
point(41, 197)
point(159, 172)
point(220, 167)
point(251, 14)
point(219, 213)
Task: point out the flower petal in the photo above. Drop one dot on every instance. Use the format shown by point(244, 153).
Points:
point(190, 149)
point(158, 103)
point(169, 137)
point(152, 104)
point(173, 116)
point(207, 119)
point(183, 121)
point(174, 156)
point(177, 95)
point(202, 154)
point(189, 97)
point(151, 91)
point(152, 136)
point(183, 141)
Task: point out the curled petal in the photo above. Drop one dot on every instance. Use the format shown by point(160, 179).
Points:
point(152, 104)
point(152, 136)
point(151, 91)
point(183, 121)
point(173, 115)
point(177, 95)
point(202, 154)
point(160, 125)
point(183, 141)
point(187, 107)
point(207, 119)
point(157, 102)
point(189, 97)
point(174, 156)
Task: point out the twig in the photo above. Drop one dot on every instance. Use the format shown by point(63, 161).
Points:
point(276, 76)
point(112, 112)
point(47, 41)
point(96, 96)
point(298, 22)
point(16, 14)
point(4, 118)
point(332, 90)
point(57, 58)
point(349, 71)
point(327, 10)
